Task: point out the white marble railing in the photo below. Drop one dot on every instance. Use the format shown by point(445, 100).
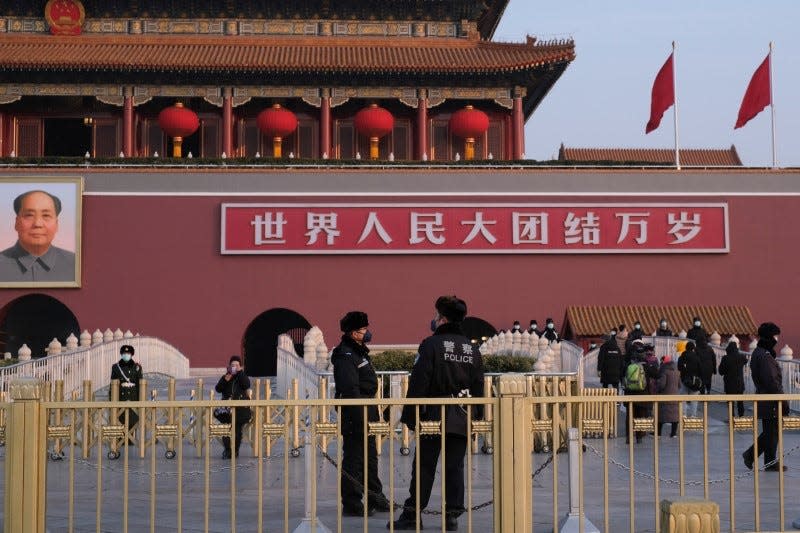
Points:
point(292, 366)
point(94, 363)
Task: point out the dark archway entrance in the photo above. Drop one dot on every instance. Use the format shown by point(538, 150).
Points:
point(475, 328)
point(259, 346)
point(35, 320)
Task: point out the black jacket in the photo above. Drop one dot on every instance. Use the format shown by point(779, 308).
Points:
point(550, 334)
point(130, 372)
point(355, 378)
point(235, 389)
point(689, 365)
point(610, 362)
point(731, 368)
point(447, 365)
point(664, 332)
point(696, 333)
point(708, 361)
point(767, 376)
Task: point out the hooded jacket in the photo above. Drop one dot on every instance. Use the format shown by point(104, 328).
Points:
point(767, 376)
point(731, 367)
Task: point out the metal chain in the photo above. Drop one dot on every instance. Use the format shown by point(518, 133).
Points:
point(243, 464)
point(395, 505)
point(690, 483)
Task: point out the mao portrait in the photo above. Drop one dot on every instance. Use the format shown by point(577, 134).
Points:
point(41, 238)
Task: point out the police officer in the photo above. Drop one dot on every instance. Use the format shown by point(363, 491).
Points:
point(663, 329)
point(610, 362)
point(447, 366)
point(355, 378)
point(128, 372)
point(550, 332)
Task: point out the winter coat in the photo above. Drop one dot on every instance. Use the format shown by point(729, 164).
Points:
point(669, 382)
point(551, 335)
point(689, 365)
point(664, 332)
point(767, 376)
point(128, 373)
point(448, 365)
point(731, 367)
point(708, 362)
point(696, 333)
point(236, 388)
point(355, 377)
point(610, 362)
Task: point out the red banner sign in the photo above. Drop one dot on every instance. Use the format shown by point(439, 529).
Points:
point(457, 228)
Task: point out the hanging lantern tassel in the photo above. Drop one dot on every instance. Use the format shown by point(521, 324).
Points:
point(373, 147)
point(277, 143)
point(469, 148)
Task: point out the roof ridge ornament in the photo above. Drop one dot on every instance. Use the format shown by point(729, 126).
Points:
point(65, 17)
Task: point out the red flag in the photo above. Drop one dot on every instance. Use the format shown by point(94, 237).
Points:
point(757, 96)
point(663, 94)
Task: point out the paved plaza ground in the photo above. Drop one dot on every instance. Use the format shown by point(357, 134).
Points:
point(218, 505)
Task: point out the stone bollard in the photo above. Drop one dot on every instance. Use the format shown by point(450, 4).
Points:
point(786, 353)
point(24, 353)
point(108, 335)
point(26, 469)
point(118, 335)
point(72, 342)
point(686, 515)
point(86, 338)
point(97, 337)
point(54, 347)
point(715, 339)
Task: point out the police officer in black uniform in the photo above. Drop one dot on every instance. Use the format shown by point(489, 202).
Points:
point(355, 378)
point(550, 332)
point(128, 372)
point(447, 365)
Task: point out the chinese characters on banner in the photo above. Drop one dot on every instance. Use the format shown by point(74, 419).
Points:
point(474, 228)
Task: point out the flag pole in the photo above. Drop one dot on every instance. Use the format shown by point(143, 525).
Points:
point(675, 108)
point(772, 108)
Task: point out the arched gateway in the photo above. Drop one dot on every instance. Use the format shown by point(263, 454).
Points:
point(259, 345)
point(35, 319)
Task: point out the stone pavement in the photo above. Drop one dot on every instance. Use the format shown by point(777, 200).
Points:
point(217, 505)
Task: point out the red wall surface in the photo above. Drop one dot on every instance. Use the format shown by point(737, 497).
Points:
point(151, 264)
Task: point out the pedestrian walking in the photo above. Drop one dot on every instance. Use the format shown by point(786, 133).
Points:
point(731, 368)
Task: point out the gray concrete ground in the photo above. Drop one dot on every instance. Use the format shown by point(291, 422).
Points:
point(215, 506)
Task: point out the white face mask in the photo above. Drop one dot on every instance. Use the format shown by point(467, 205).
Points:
point(697, 323)
point(516, 327)
point(550, 325)
point(126, 357)
point(664, 325)
point(637, 326)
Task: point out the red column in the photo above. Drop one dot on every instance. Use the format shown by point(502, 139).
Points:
point(8, 137)
point(127, 122)
point(518, 125)
point(325, 123)
point(2, 135)
point(422, 125)
point(227, 121)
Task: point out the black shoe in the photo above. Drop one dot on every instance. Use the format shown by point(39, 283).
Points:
point(226, 454)
point(357, 511)
point(451, 523)
point(406, 522)
point(748, 462)
point(775, 468)
point(381, 505)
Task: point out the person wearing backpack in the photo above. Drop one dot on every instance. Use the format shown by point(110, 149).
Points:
point(640, 372)
point(691, 383)
point(731, 368)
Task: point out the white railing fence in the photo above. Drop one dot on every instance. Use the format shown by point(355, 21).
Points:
point(94, 363)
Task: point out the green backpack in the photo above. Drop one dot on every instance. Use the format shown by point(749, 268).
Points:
point(635, 378)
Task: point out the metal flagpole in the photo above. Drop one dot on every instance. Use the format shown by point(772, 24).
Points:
point(675, 107)
point(772, 107)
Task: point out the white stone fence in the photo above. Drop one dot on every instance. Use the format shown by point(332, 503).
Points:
point(91, 358)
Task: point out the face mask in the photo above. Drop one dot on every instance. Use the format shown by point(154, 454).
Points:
point(433, 325)
point(664, 325)
point(367, 336)
point(697, 323)
point(637, 326)
point(126, 357)
point(516, 327)
point(550, 325)
point(233, 371)
point(534, 327)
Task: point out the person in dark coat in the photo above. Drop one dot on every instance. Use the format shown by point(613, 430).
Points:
point(550, 332)
point(610, 363)
point(233, 385)
point(767, 377)
point(534, 328)
point(708, 363)
point(731, 368)
point(355, 377)
point(689, 368)
point(669, 382)
point(640, 352)
point(128, 372)
point(635, 334)
point(663, 329)
point(447, 366)
point(696, 332)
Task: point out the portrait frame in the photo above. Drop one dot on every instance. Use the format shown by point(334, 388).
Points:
point(66, 240)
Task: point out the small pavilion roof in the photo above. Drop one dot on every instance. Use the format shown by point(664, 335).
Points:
point(704, 157)
point(596, 320)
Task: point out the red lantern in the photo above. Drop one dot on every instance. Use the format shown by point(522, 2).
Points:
point(178, 122)
point(469, 123)
point(276, 122)
point(374, 122)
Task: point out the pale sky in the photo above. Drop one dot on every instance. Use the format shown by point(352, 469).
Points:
point(603, 98)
